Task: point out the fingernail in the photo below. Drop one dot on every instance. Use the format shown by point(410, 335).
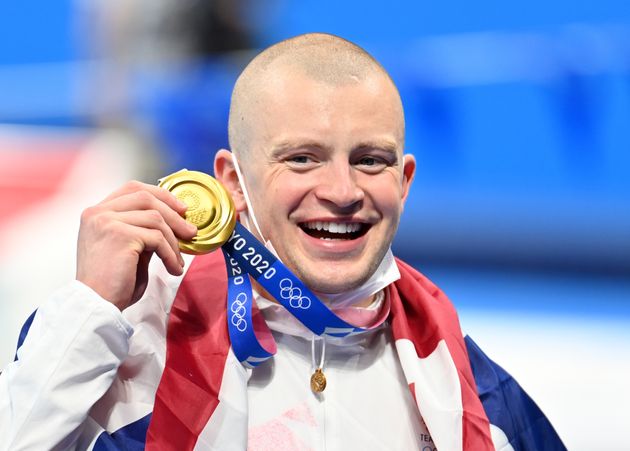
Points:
point(181, 205)
point(192, 227)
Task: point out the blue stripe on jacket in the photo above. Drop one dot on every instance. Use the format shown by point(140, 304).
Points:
point(509, 407)
point(24, 332)
point(128, 438)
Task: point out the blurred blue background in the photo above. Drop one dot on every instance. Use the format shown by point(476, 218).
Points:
point(518, 114)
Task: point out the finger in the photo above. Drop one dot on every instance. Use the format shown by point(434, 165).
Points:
point(142, 276)
point(143, 200)
point(153, 240)
point(162, 194)
point(151, 219)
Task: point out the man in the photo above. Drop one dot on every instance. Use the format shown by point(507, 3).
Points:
point(317, 173)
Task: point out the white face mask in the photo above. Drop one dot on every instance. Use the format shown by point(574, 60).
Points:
point(386, 273)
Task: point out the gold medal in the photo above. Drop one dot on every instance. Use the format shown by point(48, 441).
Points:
point(318, 381)
point(210, 208)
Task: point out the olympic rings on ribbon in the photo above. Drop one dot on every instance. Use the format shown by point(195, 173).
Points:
point(293, 295)
point(238, 310)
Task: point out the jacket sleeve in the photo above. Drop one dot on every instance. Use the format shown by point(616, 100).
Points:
point(67, 359)
point(517, 423)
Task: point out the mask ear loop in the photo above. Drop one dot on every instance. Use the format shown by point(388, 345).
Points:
point(250, 208)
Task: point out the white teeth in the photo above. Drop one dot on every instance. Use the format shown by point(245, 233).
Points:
point(334, 227)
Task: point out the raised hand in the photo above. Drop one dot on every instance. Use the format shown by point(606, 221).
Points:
point(119, 235)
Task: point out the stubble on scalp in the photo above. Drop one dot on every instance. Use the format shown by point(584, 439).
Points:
point(322, 57)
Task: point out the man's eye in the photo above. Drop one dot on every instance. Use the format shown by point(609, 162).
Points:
point(371, 164)
point(301, 162)
point(369, 161)
point(300, 159)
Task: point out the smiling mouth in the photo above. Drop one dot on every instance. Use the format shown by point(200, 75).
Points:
point(334, 230)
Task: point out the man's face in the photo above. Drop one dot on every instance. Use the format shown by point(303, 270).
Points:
point(327, 177)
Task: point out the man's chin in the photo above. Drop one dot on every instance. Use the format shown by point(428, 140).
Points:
point(330, 276)
point(333, 286)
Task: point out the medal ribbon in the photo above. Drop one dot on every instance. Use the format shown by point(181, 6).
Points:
point(245, 255)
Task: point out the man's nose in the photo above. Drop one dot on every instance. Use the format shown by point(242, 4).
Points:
point(339, 186)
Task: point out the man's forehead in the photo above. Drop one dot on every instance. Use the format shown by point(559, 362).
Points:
point(296, 112)
point(322, 58)
point(285, 81)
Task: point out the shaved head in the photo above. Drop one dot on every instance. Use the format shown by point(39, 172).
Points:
point(322, 57)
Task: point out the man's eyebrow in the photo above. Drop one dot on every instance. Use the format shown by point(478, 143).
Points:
point(386, 145)
point(285, 146)
point(288, 145)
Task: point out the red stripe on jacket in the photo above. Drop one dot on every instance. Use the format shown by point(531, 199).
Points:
point(197, 345)
point(422, 313)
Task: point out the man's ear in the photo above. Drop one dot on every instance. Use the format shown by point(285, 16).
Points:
point(225, 173)
point(409, 171)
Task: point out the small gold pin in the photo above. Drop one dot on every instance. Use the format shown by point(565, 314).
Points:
point(318, 381)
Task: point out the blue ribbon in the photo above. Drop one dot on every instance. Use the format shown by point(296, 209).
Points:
point(245, 255)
